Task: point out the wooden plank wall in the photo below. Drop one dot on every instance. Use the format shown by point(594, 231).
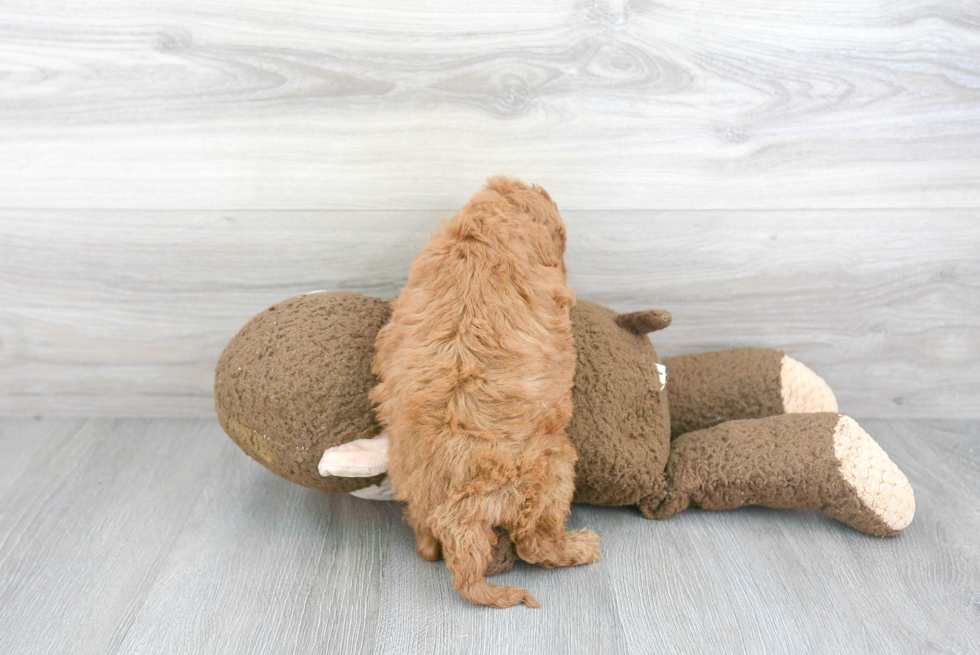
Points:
point(796, 176)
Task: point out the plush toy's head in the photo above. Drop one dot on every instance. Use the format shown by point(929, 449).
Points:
point(620, 424)
point(295, 381)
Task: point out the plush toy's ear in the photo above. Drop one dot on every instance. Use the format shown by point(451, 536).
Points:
point(649, 320)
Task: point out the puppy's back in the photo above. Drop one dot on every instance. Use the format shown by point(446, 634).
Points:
point(475, 373)
point(480, 338)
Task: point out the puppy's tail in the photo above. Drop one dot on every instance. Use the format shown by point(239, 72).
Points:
point(467, 550)
point(497, 595)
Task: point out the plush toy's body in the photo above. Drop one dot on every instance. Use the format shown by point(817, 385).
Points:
point(292, 389)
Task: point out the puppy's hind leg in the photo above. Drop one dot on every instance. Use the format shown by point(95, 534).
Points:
point(426, 544)
point(541, 536)
point(550, 544)
point(467, 546)
point(570, 548)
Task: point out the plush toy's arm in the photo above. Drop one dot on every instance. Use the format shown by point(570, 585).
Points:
point(817, 461)
point(711, 388)
point(360, 458)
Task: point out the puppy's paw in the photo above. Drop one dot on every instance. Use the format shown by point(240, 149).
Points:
point(583, 547)
point(428, 548)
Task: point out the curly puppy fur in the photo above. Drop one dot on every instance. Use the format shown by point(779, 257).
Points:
point(475, 371)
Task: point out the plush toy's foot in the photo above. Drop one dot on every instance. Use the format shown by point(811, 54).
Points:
point(802, 390)
point(819, 461)
point(883, 490)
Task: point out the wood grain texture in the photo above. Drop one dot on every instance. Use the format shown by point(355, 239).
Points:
point(21, 445)
point(794, 176)
point(265, 566)
point(611, 104)
point(728, 585)
point(150, 536)
point(85, 526)
point(125, 313)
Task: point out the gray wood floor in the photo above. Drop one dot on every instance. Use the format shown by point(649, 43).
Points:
point(160, 536)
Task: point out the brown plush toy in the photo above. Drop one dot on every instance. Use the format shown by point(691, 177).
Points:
point(747, 426)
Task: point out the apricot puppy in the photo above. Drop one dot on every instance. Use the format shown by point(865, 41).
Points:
point(475, 370)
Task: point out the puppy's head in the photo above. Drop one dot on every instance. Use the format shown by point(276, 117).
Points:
point(534, 203)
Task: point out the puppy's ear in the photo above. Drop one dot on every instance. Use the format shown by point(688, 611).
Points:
point(644, 322)
point(543, 245)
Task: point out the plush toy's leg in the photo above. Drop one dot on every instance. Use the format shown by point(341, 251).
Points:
point(817, 461)
point(726, 385)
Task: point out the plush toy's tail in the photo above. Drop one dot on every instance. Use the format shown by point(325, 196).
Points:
point(805, 461)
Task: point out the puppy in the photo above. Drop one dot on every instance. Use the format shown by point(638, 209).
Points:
point(475, 371)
